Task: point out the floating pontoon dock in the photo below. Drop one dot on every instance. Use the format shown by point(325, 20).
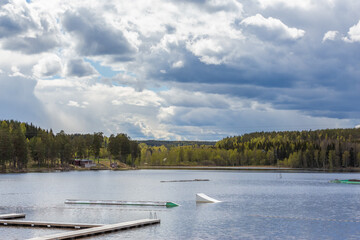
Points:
point(347, 181)
point(12, 215)
point(192, 180)
point(113, 202)
point(48, 224)
point(99, 230)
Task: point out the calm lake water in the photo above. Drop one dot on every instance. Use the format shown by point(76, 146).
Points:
point(256, 205)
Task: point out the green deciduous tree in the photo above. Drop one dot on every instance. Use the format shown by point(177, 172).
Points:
point(6, 145)
point(64, 147)
point(96, 144)
point(37, 150)
point(20, 148)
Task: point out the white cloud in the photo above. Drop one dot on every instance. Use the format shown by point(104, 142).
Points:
point(178, 64)
point(16, 72)
point(275, 27)
point(303, 4)
point(181, 65)
point(27, 30)
point(48, 66)
point(79, 68)
point(214, 51)
point(330, 35)
point(353, 34)
point(73, 104)
point(100, 107)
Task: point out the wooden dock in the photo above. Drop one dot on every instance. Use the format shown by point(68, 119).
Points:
point(99, 230)
point(48, 224)
point(12, 215)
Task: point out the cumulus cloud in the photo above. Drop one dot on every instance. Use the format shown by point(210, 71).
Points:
point(79, 68)
point(24, 29)
point(196, 99)
point(353, 34)
point(330, 35)
point(178, 64)
point(32, 45)
point(304, 4)
point(272, 28)
point(169, 69)
point(14, 19)
point(210, 51)
point(95, 36)
point(100, 107)
point(163, 115)
point(48, 66)
point(76, 104)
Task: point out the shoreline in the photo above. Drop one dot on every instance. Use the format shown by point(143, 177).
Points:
point(248, 168)
point(57, 169)
point(205, 168)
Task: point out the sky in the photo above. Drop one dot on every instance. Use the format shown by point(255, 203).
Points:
point(180, 70)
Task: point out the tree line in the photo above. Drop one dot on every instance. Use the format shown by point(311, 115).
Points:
point(22, 142)
point(330, 148)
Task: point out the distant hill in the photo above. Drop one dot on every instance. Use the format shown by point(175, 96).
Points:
point(158, 143)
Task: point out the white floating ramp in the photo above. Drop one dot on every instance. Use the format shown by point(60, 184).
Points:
point(202, 198)
point(12, 215)
point(113, 202)
point(99, 230)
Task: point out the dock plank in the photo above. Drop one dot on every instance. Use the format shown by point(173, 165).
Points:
point(48, 224)
point(98, 230)
point(12, 215)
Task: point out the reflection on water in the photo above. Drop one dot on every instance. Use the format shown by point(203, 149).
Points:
point(256, 205)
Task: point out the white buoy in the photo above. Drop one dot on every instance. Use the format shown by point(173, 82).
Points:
point(202, 198)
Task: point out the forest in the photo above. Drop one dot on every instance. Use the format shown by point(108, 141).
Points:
point(320, 149)
point(22, 143)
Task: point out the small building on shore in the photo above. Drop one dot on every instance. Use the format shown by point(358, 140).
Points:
point(86, 163)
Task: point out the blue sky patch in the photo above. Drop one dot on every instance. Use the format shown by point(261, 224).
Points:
point(103, 70)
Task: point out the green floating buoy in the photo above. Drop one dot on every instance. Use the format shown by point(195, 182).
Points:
point(346, 181)
point(171, 204)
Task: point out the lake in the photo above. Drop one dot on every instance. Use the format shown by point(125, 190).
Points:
point(256, 205)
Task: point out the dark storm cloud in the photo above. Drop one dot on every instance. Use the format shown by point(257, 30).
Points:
point(248, 72)
point(9, 27)
point(21, 29)
point(20, 103)
point(318, 80)
point(289, 71)
point(31, 45)
point(95, 37)
point(13, 23)
point(212, 6)
point(205, 72)
point(4, 2)
point(79, 68)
